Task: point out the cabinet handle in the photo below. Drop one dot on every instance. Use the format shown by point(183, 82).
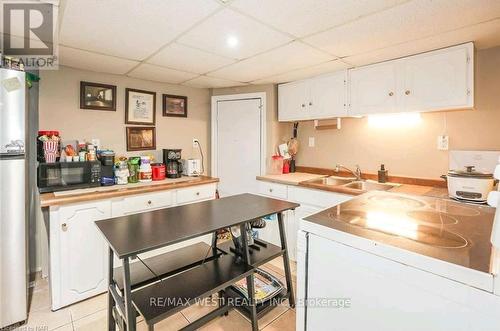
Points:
point(391, 94)
point(197, 193)
point(303, 105)
point(271, 190)
point(310, 103)
point(407, 92)
point(64, 226)
point(149, 202)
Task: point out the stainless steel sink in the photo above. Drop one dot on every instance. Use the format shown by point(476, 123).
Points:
point(367, 186)
point(332, 181)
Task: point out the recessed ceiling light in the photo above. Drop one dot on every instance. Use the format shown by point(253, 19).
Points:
point(232, 41)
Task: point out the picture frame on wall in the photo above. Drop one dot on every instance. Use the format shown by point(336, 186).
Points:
point(175, 105)
point(140, 107)
point(97, 96)
point(141, 138)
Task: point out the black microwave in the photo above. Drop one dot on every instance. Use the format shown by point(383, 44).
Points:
point(61, 176)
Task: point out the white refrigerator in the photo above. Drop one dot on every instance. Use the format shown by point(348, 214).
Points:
point(13, 198)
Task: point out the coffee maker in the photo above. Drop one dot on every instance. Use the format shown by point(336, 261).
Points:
point(173, 164)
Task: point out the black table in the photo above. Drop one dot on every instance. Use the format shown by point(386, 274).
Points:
point(188, 273)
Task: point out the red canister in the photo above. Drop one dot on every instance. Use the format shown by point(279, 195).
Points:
point(158, 170)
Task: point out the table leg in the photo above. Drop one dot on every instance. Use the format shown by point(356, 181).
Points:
point(250, 280)
point(129, 309)
point(286, 261)
point(111, 301)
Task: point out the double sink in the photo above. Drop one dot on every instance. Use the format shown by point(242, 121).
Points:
point(351, 183)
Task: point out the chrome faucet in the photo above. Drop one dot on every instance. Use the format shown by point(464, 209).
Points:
point(356, 173)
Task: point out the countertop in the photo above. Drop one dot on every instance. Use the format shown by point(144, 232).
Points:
point(302, 178)
point(106, 192)
point(439, 228)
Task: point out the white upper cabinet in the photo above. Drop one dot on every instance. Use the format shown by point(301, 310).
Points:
point(328, 96)
point(292, 101)
point(315, 98)
point(438, 80)
point(373, 89)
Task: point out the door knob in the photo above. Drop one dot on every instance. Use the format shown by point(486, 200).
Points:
point(391, 94)
point(310, 103)
point(303, 105)
point(197, 193)
point(64, 226)
point(407, 92)
point(149, 202)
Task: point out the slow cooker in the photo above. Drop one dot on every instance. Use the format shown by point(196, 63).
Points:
point(470, 185)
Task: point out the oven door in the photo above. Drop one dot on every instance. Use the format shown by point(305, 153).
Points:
point(63, 176)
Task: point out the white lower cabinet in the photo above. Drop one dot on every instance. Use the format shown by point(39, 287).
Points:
point(78, 251)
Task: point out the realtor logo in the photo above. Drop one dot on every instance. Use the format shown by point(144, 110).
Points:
point(29, 34)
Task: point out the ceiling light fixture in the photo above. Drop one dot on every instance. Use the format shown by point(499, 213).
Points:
point(232, 41)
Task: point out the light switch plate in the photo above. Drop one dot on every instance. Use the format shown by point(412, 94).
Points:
point(311, 141)
point(443, 143)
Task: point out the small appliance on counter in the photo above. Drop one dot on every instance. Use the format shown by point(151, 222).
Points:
point(173, 164)
point(192, 167)
point(107, 159)
point(470, 177)
point(159, 171)
point(470, 185)
point(62, 176)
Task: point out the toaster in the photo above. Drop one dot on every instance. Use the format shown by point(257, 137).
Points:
point(191, 167)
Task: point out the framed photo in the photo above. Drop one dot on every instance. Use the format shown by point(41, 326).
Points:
point(141, 138)
point(140, 107)
point(175, 105)
point(97, 96)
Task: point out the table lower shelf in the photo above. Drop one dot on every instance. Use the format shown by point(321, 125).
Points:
point(261, 308)
point(260, 253)
point(162, 299)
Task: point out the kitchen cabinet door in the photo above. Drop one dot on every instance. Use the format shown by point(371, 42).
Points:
point(328, 96)
point(293, 101)
point(438, 80)
point(373, 89)
point(82, 261)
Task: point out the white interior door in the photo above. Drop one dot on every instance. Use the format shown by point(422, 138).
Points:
point(238, 139)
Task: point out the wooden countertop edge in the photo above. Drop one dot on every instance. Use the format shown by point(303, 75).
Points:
point(50, 199)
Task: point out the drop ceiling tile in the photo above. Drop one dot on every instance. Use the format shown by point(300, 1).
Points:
point(211, 82)
point(303, 73)
point(94, 62)
point(189, 59)
point(410, 21)
point(129, 28)
point(484, 35)
point(160, 74)
point(304, 17)
point(292, 56)
point(253, 37)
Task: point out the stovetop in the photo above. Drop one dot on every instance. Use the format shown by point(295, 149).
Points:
point(441, 228)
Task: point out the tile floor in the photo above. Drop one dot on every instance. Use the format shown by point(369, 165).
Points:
point(91, 314)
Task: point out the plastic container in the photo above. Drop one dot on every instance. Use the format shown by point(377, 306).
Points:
point(133, 168)
point(276, 167)
point(145, 171)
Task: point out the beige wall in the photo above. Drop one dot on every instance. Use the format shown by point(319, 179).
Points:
point(413, 151)
point(60, 110)
point(276, 132)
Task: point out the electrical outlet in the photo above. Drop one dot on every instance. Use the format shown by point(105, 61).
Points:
point(195, 142)
point(311, 141)
point(443, 143)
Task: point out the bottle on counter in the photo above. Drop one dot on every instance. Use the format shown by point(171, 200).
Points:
point(382, 174)
point(145, 170)
point(121, 171)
